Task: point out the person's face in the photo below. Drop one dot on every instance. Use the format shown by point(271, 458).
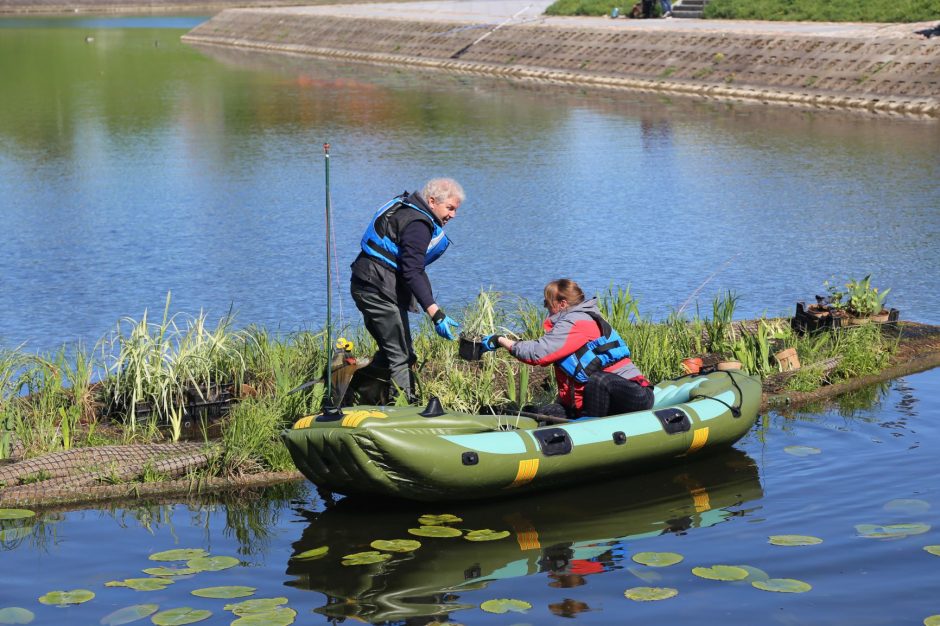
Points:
point(444, 210)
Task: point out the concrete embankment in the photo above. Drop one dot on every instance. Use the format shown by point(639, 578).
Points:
point(867, 67)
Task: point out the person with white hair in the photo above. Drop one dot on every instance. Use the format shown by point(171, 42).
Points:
point(404, 236)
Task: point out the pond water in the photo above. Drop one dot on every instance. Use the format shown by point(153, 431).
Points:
point(134, 166)
point(859, 476)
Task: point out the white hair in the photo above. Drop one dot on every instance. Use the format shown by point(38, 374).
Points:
point(443, 189)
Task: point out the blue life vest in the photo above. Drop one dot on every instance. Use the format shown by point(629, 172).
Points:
point(597, 354)
point(378, 243)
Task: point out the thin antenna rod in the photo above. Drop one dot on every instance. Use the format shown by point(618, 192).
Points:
point(328, 403)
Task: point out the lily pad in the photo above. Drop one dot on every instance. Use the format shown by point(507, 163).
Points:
point(255, 605)
point(365, 558)
point(794, 540)
point(16, 615)
point(891, 531)
point(396, 545)
point(721, 572)
point(438, 520)
point(907, 505)
point(935, 550)
point(212, 563)
point(142, 584)
point(279, 616)
point(657, 559)
point(61, 598)
point(933, 620)
point(486, 534)
point(435, 531)
point(802, 450)
point(782, 585)
point(180, 554)
point(179, 616)
point(648, 594)
point(129, 614)
point(315, 553)
point(226, 592)
point(505, 605)
point(8, 514)
point(169, 571)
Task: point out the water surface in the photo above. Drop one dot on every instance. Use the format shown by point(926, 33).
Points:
point(134, 165)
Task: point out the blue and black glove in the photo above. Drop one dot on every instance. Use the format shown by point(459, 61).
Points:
point(490, 343)
point(445, 325)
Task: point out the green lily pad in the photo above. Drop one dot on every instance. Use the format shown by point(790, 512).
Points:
point(933, 620)
point(212, 563)
point(180, 616)
point(365, 558)
point(169, 571)
point(315, 553)
point(129, 614)
point(782, 585)
point(891, 531)
point(8, 514)
point(486, 534)
point(721, 572)
point(935, 550)
point(802, 450)
point(794, 540)
point(438, 520)
point(180, 554)
point(658, 559)
point(16, 615)
point(141, 584)
point(505, 605)
point(60, 598)
point(907, 505)
point(280, 616)
point(255, 605)
point(226, 593)
point(396, 545)
point(435, 531)
point(648, 594)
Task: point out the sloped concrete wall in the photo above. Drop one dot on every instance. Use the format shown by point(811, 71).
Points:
point(888, 75)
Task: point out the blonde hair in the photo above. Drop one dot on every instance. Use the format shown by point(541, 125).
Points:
point(563, 289)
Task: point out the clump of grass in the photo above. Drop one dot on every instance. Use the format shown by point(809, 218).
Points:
point(815, 11)
point(250, 437)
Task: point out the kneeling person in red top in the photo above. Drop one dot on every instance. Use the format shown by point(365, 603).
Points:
point(595, 374)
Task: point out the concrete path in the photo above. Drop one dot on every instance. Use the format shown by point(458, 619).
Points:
point(521, 11)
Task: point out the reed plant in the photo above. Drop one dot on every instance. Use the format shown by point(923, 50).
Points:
point(250, 437)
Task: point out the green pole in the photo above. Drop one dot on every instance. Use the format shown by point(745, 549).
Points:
point(328, 403)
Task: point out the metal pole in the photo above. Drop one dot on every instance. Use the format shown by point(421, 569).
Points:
point(328, 403)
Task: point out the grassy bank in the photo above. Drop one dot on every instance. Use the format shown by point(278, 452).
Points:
point(141, 383)
point(788, 10)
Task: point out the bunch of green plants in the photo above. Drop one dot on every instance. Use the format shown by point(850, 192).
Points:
point(250, 437)
point(824, 11)
point(582, 7)
point(860, 351)
point(164, 365)
point(856, 296)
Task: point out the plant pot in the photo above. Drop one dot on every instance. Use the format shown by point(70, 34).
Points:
point(882, 317)
point(692, 365)
point(470, 349)
point(728, 366)
point(858, 321)
point(787, 360)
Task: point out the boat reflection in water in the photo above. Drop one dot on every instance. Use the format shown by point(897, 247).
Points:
point(566, 535)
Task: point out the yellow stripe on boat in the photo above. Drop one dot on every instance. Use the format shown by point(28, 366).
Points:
point(354, 418)
point(528, 468)
point(698, 440)
point(528, 540)
point(304, 422)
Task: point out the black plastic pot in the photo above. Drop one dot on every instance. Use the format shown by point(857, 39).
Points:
point(470, 349)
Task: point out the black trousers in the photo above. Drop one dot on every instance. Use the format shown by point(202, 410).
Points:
point(609, 394)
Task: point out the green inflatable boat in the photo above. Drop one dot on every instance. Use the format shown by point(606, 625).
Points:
point(431, 454)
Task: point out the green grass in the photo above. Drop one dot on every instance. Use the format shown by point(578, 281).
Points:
point(775, 10)
point(825, 10)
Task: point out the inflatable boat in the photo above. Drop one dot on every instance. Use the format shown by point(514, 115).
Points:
point(431, 454)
